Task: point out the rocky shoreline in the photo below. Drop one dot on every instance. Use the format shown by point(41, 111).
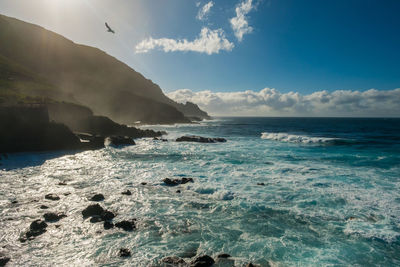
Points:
point(96, 213)
point(29, 128)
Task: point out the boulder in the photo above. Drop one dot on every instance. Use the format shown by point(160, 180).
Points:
point(53, 217)
point(97, 197)
point(43, 207)
point(3, 260)
point(93, 210)
point(107, 215)
point(124, 252)
point(202, 261)
point(126, 225)
point(127, 192)
point(174, 261)
point(52, 197)
point(96, 219)
point(262, 184)
point(200, 139)
point(120, 140)
point(175, 182)
point(36, 228)
point(223, 256)
point(108, 225)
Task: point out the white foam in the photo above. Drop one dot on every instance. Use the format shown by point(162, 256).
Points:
point(291, 138)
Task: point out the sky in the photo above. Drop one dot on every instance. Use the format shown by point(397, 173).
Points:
point(245, 57)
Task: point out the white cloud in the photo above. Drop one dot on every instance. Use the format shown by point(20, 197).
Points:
point(239, 23)
point(205, 10)
point(208, 41)
point(271, 102)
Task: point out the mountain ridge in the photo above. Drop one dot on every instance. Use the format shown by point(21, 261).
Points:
point(89, 76)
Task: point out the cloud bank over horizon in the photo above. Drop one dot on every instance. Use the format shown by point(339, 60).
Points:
point(271, 102)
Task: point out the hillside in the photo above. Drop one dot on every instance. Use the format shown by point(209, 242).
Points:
point(55, 67)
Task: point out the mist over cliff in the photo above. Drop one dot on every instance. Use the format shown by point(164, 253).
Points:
point(39, 63)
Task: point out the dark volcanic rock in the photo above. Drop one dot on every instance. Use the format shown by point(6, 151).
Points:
point(107, 215)
point(52, 197)
point(178, 191)
point(3, 260)
point(175, 261)
point(62, 183)
point(93, 210)
point(200, 139)
point(120, 140)
point(223, 256)
point(174, 182)
point(124, 252)
point(53, 217)
point(97, 197)
point(14, 202)
point(127, 192)
point(36, 228)
point(262, 184)
point(126, 225)
point(108, 225)
point(43, 207)
point(143, 183)
point(202, 261)
point(96, 219)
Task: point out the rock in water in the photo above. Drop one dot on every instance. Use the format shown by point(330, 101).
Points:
point(52, 197)
point(107, 215)
point(126, 225)
point(202, 261)
point(127, 192)
point(43, 207)
point(174, 182)
point(96, 219)
point(97, 197)
point(108, 225)
point(223, 256)
point(93, 210)
point(200, 139)
point(3, 260)
point(36, 228)
point(120, 140)
point(174, 261)
point(53, 217)
point(124, 252)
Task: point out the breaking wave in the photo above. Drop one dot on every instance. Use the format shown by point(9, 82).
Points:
point(292, 138)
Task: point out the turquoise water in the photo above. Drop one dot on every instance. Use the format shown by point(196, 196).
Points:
point(330, 196)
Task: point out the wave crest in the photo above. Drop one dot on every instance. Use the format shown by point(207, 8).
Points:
point(292, 138)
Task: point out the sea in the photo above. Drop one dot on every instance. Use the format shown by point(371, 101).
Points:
point(279, 192)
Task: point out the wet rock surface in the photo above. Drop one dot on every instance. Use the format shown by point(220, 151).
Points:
point(124, 253)
point(173, 261)
point(175, 182)
point(127, 193)
point(202, 261)
point(97, 197)
point(92, 210)
point(4, 260)
point(53, 197)
point(53, 217)
point(200, 139)
point(126, 225)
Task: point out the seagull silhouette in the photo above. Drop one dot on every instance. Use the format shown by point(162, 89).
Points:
point(109, 28)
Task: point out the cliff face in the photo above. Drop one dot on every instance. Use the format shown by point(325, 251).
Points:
point(87, 75)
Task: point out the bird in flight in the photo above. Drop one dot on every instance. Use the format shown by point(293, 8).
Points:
point(109, 28)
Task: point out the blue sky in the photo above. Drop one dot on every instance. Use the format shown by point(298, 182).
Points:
point(293, 46)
